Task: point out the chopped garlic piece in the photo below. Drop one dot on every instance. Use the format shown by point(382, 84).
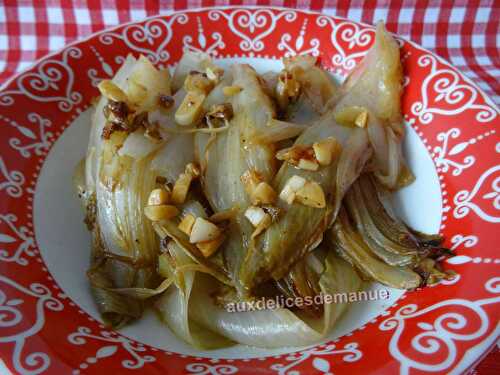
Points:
point(181, 188)
point(203, 230)
point(198, 82)
point(186, 224)
point(308, 165)
point(325, 149)
point(308, 193)
point(296, 182)
point(293, 184)
point(300, 156)
point(347, 116)
point(361, 119)
point(160, 212)
point(250, 179)
point(112, 91)
point(231, 90)
point(311, 194)
point(211, 74)
point(158, 196)
point(287, 89)
point(263, 194)
point(255, 215)
point(263, 225)
point(207, 248)
point(190, 110)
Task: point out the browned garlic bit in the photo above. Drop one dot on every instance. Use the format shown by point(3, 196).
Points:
point(181, 186)
point(119, 116)
point(162, 212)
point(222, 112)
point(208, 248)
point(197, 86)
point(214, 73)
point(158, 197)
point(259, 218)
point(186, 224)
point(260, 192)
point(166, 102)
point(263, 194)
point(158, 207)
point(287, 89)
point(352, 116)
point(361, 119)
point(204, 234)
point(311, 194)
point(300, 156)
point(325, 150)
point(203, 230)
point(308, 193)
point(310, 158)
point(250, 179)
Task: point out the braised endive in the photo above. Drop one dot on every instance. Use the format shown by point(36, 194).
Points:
point(220, 187)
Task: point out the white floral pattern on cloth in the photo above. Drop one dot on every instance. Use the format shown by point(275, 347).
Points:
point(39, 141)
point(252, 26)
point(208, 369)
point(298, 47)
point(345, 37)
point(443, 333)
point(12, 181)
point(93, 74)
point(464, 199)
point(12, 314)
point(465, 241)
point(52, 82)
point(16, 234)
point(141, 38)
point(349, 353)
point(442, 86)
point(203, 45)
point(135, 359)
point(444, 154)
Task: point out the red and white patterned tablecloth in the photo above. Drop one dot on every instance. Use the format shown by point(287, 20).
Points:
point(464, 32)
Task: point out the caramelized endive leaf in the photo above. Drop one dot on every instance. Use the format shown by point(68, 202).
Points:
point(351, 246)
point(175, 304)
point(283, 242)
point(277, 327)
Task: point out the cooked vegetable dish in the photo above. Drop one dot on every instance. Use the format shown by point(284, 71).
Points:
point(217, 186)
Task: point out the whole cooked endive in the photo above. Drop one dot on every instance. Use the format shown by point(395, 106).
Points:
point(309, 197)
point(382, 247)
point(230, 156)
point(118, 179)
point(371, 95)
